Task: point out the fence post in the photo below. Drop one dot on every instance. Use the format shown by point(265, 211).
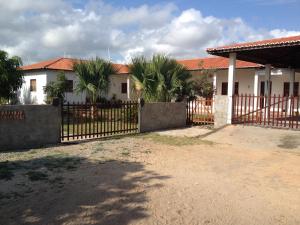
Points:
point(141, 103)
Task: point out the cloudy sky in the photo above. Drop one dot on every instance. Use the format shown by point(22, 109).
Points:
point(39, 30)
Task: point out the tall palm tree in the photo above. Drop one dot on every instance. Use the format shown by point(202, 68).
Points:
point(93, 77)
point(160, 78)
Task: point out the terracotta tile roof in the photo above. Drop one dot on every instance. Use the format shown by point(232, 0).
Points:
point(277, 42)
point(191, 64)
point(214, 63)
point(66, 64)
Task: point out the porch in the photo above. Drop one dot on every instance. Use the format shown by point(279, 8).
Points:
point(264, 93)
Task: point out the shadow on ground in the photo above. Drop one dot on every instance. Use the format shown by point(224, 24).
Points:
point(74, 190)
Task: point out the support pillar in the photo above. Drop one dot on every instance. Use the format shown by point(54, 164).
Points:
point(255, 89)
point(231, 80)
point(291, 91)
point(215, 90)
point(128, 87)
point(267, 88)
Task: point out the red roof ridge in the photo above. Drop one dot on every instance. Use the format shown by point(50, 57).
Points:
point(266, 42)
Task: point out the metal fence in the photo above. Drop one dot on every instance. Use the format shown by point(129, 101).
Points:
point(273, 111)
point(200, 111)
point(86, 120)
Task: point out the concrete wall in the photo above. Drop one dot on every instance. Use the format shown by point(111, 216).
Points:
point(220, 107)
point(162, 115)
point(40, 126)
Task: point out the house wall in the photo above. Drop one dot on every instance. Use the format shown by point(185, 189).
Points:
point(245, 77)
point(43, 77)
point(33, 97)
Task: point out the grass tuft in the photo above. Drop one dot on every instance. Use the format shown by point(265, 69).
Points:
point(176, 140)
point(36, 175)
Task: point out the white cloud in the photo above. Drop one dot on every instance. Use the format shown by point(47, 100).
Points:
point(38, 30)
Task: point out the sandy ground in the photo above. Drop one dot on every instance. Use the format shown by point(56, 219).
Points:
point(237, 175)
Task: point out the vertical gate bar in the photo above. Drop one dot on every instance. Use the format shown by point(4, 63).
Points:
point(97, 120)
point(81, 120)
point(249, 105)
point(281, 113)
point(273, 110)
point(90, 119)
point(114, 117)
point(292, 111)
point(241, 111)
point(77, 123)
point(73, 120)
point(277, 116)
point(256, 111)
point(265, 109)
point(86, 120)
point(123, 116)
point(130, 117)
point(101, 119)
point(62, 122)
point(285, 113)
point(297, 112)
point(253, 110)
point(237, 108)
point(233, 108)
point(245, 109)
point(68, 120)
point(105, 116)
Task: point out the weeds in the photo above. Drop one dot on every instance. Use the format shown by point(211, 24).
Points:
point(175, 140)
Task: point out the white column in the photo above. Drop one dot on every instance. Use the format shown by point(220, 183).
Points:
point(128, 87)
point(215, 90)
point(255, 90)
point(292, 81)
point(291, 91)
point(231, 80)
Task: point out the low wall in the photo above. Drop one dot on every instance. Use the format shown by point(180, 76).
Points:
point(29, 126)
point(162, 115)
point(220, 110)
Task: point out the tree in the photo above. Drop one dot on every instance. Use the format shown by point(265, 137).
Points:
point(202, 86)
point(56, 89)
point(11, 76)
point(160, 78)
point(93, 77)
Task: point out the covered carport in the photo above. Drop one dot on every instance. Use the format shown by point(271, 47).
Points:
point(272, 53)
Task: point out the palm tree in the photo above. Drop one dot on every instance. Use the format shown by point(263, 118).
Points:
point(160, 79)
point(93, 77)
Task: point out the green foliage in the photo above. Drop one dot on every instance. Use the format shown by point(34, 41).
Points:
point(202, 85)
point(160, 79)
point(11, 77)
point(56, 89)
point(94, 77)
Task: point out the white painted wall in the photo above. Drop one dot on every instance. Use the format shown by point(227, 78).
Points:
point(33, 97)
point(43, 77)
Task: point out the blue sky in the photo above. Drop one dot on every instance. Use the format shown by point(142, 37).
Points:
point(38, 30)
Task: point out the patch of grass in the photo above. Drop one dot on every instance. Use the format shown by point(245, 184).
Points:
point(36, 175)
point(289, 142)
point(6, 170)
point(125, 152)
point(56, 162)
point(97, 148)
point(175, 140)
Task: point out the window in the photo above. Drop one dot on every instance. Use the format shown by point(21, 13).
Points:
point(32, 84)
point(286, 89)
point(124, 88)
point(69, 85)
point(224, 88)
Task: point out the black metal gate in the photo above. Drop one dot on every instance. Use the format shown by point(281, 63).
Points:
point(86, 120)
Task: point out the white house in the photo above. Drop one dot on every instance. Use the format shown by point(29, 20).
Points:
point(249, 79)
point(37, 75)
